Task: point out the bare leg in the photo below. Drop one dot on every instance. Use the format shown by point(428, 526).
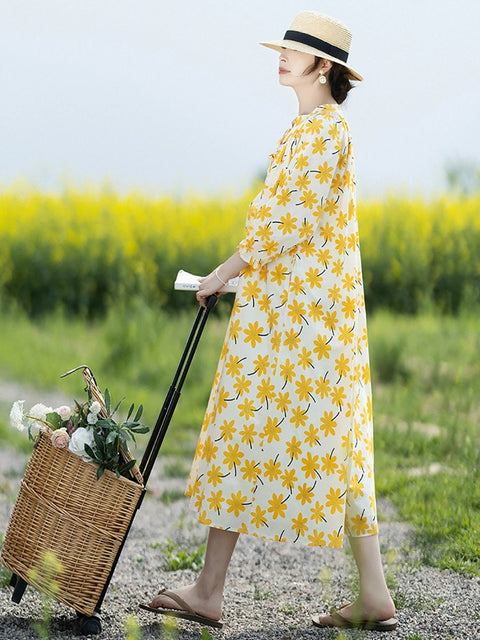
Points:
point(205, 595)
point(374, 601)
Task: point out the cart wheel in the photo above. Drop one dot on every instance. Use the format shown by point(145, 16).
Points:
point(18, 589)
point(90, 625)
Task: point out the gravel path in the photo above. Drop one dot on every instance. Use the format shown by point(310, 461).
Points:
point(272, 589)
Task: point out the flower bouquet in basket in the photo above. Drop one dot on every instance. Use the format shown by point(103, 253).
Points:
point(87, 429)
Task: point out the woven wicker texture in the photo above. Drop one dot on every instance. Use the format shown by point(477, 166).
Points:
point(63, 508)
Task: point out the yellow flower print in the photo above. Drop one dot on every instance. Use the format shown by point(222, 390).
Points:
point(356, 486)
point(271, 430)
point(352, 242)
point(309, 198)
point(336, 540)
point(282, 178)
point(287, 223)
point(348, 307)
point(359, 525)
point(248, 434)
point(234, 330)
point(342, 219)
point(272, 469)
point(365, 374)
point(294, 448)
point(330, 206)
point(282, 401)
point(299, 525)
point(342, 473)
point(236, 503)
point(247, 409)
point(258, 517)
point(305, 494)
point(305, 359)
point(322, 347)
point(330, 320)
point(276, 341)
point(234, 365)
point(348, 282)
point(264, 212)
point(203, 518)
point(327, 232)
point(222, 398)
point(324, 173)
point(335, 294)
point(261, 364)
point(341, 244)
point(277, 506)
point(272, 318)
point(199, 501)
point(313, 126)
point(266, 391)
point(216, 500)
point(323, 387)
point(315, 311)
point(303, 181)
point(298, 417)
point(313, 277)
point(264, 233)
point(284, 196)
point(264, 302)
point(345, 334)
point(328, 424)
point(310, 466)
point(251, 290)
point(324, 256)
point(227, 429)
point(338, 396)
point(358, 459)
point(311, 436)
point(318, 512)
point(292, 338)
point(342, 365)
point(337, 182)
point(232, 457)
point(271, 248)
point(289, 477)
point(316, 539)
point(287, 370)
point(301, 162)
point(297, 286)
point(334, 132)
point(296, 311)
point(250, 470)
point(329, 463)
point(278, 274)
point(209, 450)
point(214, 475)
point(337, 267)
point(306, 231)
point(242, 385)
point(304, 388)
point(319, 146)
point(372, 529)
point(335, 501)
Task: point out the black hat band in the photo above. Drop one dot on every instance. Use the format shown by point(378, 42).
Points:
point(316, 43)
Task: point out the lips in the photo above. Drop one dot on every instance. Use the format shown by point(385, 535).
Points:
point(283, 70)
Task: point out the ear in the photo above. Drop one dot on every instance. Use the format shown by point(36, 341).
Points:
point(325, 65)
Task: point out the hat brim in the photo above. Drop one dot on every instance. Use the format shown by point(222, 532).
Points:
point(278, 45)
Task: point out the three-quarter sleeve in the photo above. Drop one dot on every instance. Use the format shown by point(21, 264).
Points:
point(296, 190)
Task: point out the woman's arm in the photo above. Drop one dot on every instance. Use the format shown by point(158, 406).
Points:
point(219, 276)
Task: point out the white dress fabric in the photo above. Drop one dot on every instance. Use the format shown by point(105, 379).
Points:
point(286, 447)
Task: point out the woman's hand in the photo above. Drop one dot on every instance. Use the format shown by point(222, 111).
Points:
point(208, 286)
point(216, 280)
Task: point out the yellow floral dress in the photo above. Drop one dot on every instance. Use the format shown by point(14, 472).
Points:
point(286, 447)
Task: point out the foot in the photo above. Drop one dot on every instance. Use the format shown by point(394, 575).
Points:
point(358, 611)
point(208, 607)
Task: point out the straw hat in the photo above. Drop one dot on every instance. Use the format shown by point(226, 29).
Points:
point(320, 35)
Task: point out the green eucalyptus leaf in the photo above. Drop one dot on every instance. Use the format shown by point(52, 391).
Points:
point(118, 404)
point(138, 415)
point(100, 471)
point(130, 411)
point(54, 419)
point(127, 466)
point(107, 401)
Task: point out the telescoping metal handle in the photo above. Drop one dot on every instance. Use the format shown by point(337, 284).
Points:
point(173, 394)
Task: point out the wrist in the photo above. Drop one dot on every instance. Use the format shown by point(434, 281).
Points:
point(219, 277)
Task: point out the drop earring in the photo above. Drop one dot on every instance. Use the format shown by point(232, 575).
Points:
point(322, 79)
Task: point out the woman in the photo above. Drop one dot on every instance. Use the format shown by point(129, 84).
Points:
point(286, 450)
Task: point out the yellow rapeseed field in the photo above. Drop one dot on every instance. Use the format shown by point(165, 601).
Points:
point(83, 250)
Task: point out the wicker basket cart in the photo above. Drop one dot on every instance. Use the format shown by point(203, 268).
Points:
point(62, 508)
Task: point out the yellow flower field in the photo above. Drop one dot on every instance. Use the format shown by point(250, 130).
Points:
point(83, 250)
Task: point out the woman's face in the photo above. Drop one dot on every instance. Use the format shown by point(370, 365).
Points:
point(292, 67)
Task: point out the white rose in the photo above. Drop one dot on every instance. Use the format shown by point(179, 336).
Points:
point(16, 416)
point(81, 437)
point(64, 412)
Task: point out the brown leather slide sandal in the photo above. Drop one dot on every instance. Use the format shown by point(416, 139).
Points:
point(186, 612)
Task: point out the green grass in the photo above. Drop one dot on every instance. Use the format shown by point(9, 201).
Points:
point(426, 377)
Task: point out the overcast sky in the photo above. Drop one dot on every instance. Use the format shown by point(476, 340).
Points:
point(169, 96)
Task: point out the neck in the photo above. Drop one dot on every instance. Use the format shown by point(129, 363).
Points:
point(311, 96)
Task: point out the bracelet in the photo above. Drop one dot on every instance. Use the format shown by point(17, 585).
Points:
point(222, 281)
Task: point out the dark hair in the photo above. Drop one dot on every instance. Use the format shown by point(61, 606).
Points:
point(339, 79)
